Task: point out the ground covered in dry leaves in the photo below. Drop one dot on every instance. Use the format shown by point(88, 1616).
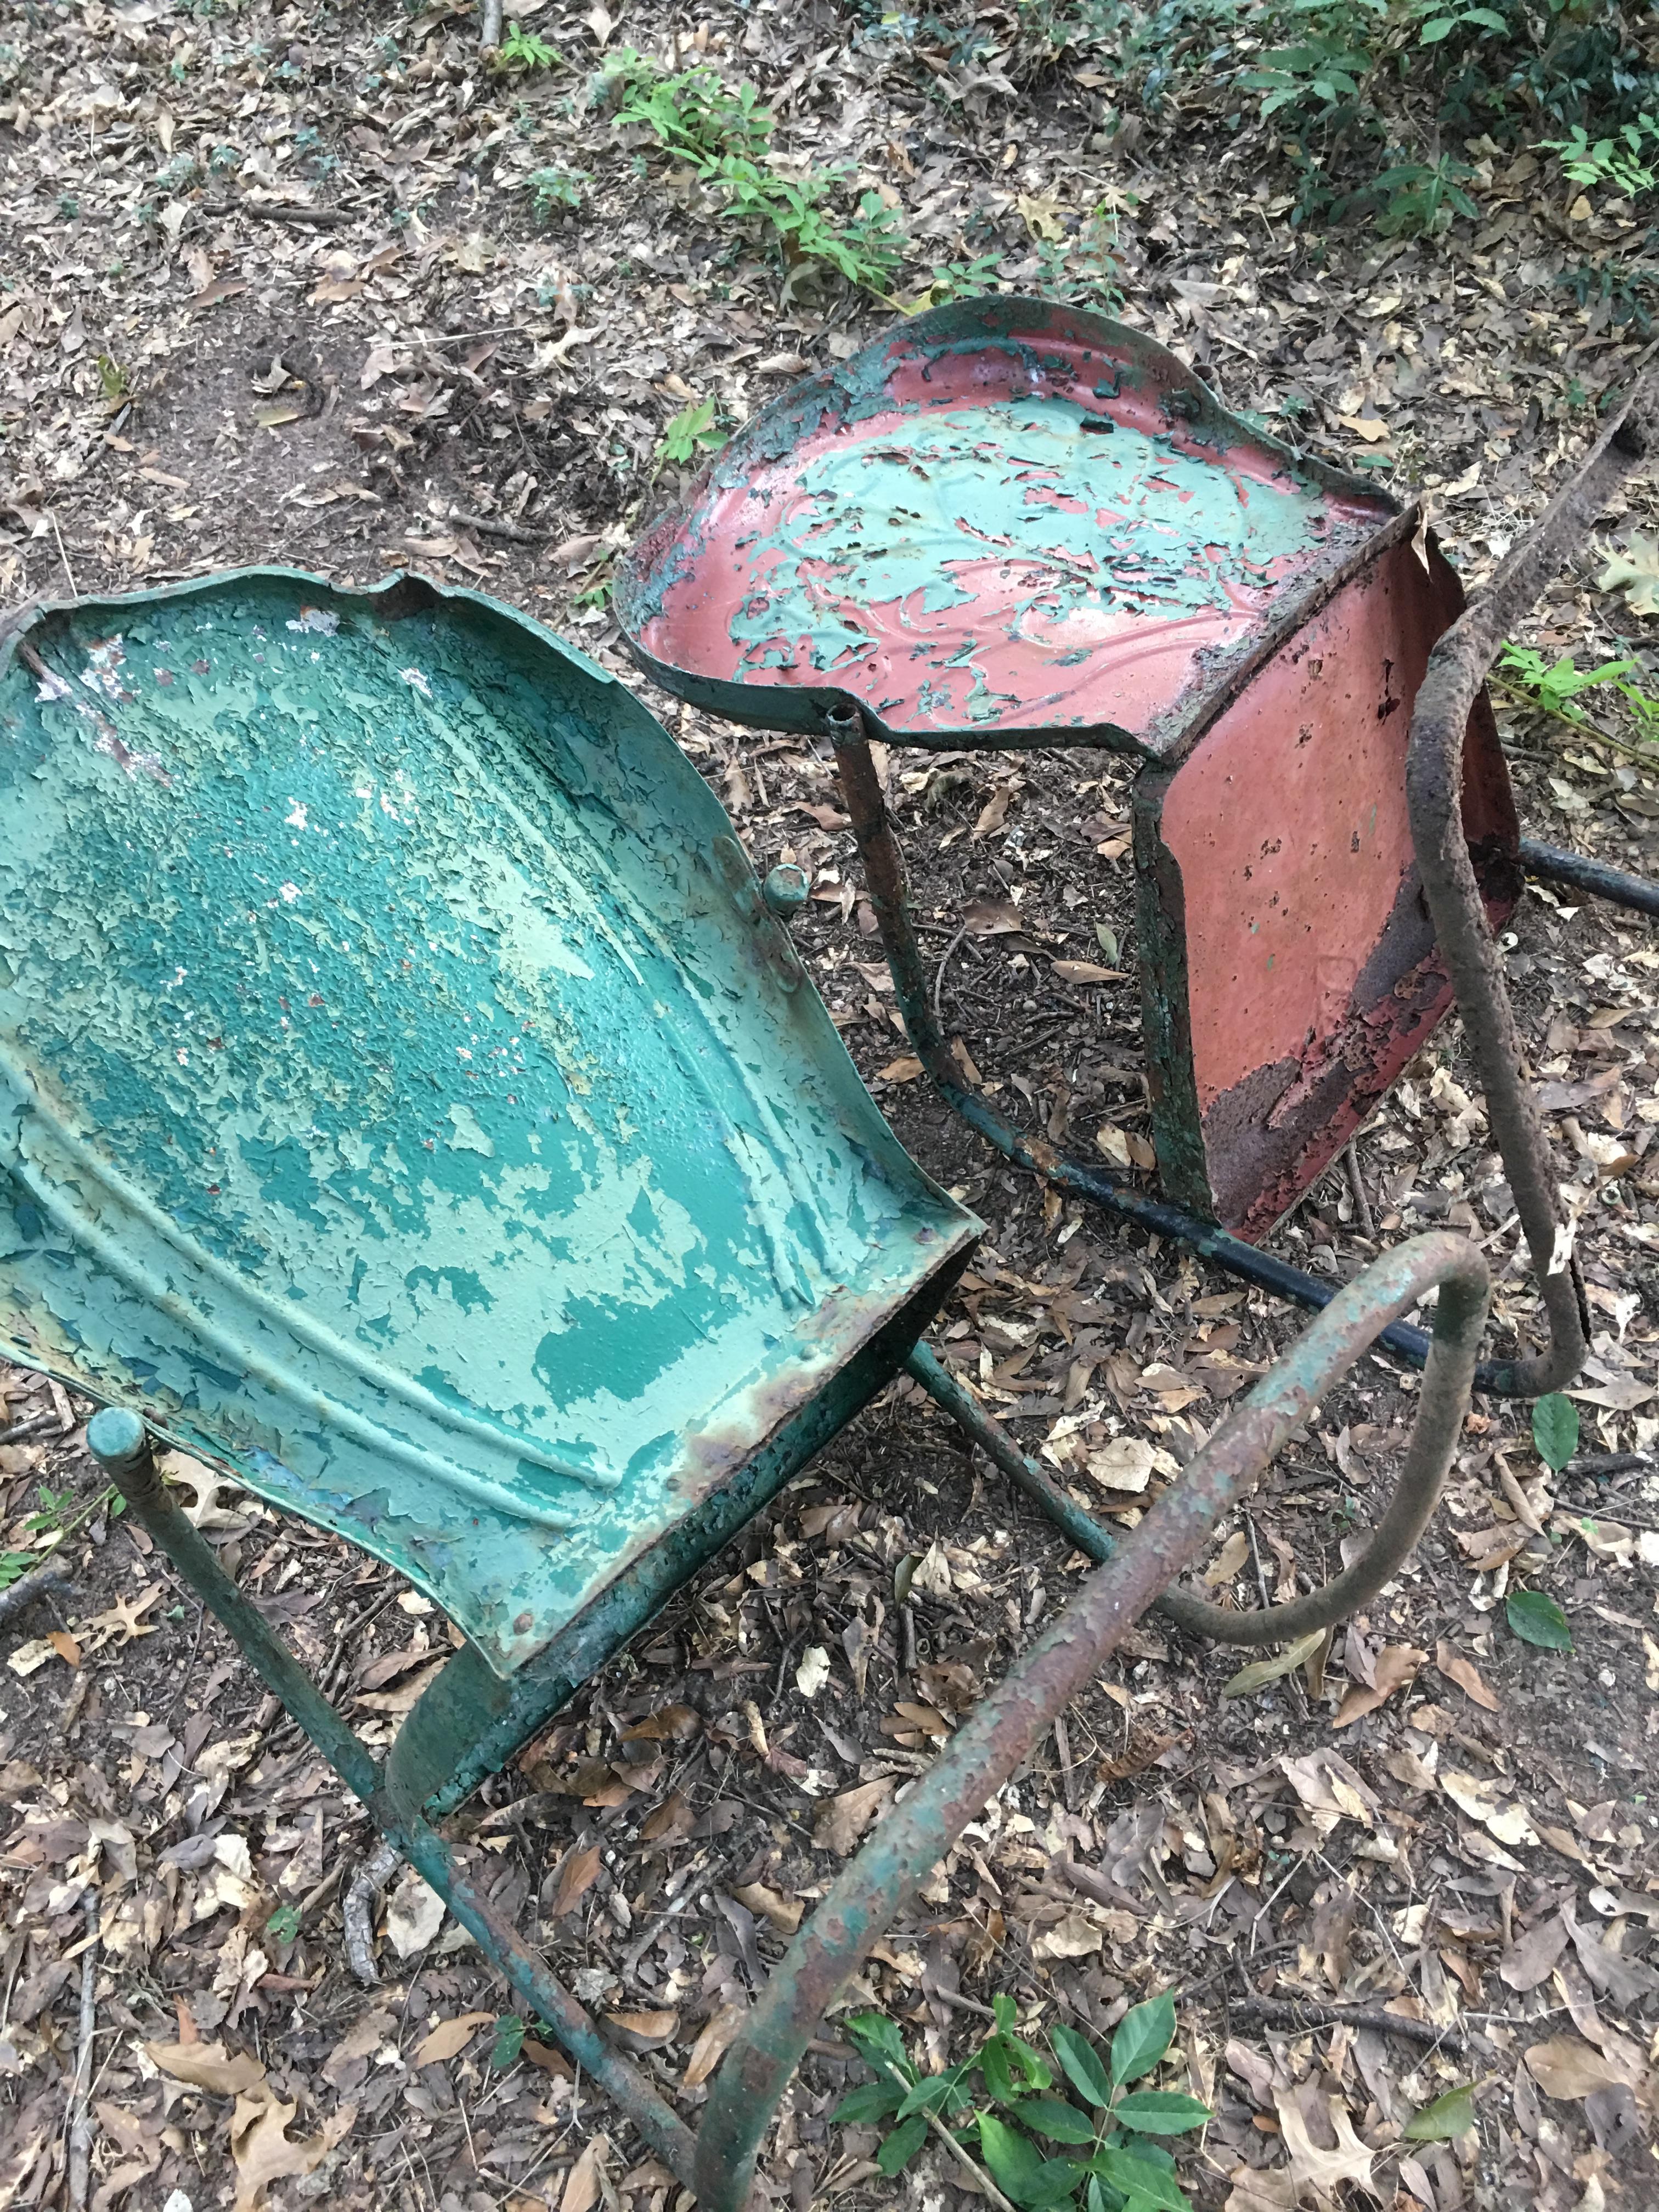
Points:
point(278, 285)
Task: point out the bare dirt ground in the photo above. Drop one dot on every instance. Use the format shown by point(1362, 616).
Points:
point(273, 289)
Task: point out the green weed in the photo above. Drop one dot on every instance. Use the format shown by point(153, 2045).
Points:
point(558, 191)
point(688, 436)
point(1000, 2107)
point(521, 51)
point(1617, 160)
point(695, 114)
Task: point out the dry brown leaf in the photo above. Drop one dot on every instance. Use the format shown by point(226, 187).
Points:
point(1318, 2170)
point(1485, 1802)
point(1086, 971)
point(645, 2031)
point(673, 1724)
point(1075, 1936)
point(1564, 2066)
point(904, 1069)
point(1259, 1672)
point(841, 1820)
point(783, 1912)
point(1252, 2191)
point(1396, 1666)
point(1228, 1560)
point(710, 2047)
point(576, 1877)
point(263, 2153)
point(207, 2066)
point(673, 1815)
point(450, 2038)
point(1456, 1669)
point(585, 2182)
point(1529, 1961)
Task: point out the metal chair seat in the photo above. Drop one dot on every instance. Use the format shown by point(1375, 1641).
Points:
point(408, 1099)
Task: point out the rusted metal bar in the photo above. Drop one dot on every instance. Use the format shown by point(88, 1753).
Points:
point(1392, 1541)
point(1434, 769)
point(1639, 893)
point(999, 1736)
point(883, 875)
point(118, 1441)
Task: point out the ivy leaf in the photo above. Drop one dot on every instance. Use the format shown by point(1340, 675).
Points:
point(1060, 2122)
point(901, 2146)
point(1143, 2036)
point(509, 2041)
point(1160, 2112)
point(1555, 1429)
point(1448, 2116)
point(1083, 2067)
point(1536, 1619)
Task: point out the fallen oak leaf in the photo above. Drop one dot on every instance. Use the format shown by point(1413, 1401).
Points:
point(450, 2038)
point(1456, 1669)
point(710, 2047)
point(1566, 2068)
point(261, 2148)
point(1322, 2170)
point(1397, 1667)
point(841, 1820)
point(209, 2066)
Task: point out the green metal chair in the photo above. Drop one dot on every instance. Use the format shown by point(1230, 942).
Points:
point(411, 1102)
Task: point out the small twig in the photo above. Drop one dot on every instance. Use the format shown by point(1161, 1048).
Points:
point(1088, 1882)
point(80, 2133)
point(74, 589)
point(370, 1878)
point(1362, 1205)
point(1594, 1463)
point(1287, 2012)
point(907, 1630)
point(44, 1581)
point(287, 211)
point(36, 1422)
point(982, 2182)
point(938, 978)
point(958, 2003)
point(493, 526)
point(1067, 1773)
point(1255, 1554)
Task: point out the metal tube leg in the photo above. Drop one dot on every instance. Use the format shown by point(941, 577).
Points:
point(883, 876)
point(1415, 1496)
point(118, 1441)
point(1000, 1734)
point(1639, 893)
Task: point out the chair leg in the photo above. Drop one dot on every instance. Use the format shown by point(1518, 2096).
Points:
point(118, 1441)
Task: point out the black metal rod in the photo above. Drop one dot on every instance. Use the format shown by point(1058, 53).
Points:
point(1639, 893)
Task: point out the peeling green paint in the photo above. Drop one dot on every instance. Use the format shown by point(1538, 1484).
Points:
point(396, 1099)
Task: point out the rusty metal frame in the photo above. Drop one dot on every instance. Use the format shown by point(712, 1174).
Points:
point(1457, 673)
point(717, 2163)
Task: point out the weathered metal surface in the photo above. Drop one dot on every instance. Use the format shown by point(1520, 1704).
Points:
point(1008, 522)
point(118, 1440)
point(1435, 773)
point(1392, 1541)
point(406, 1094)
point(1288, 960)
point(1556, 866)
point(884, 878)
point(997, 1736)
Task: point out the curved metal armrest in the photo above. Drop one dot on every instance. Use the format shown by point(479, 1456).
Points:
point(1003, 1731)
point(1434, 777)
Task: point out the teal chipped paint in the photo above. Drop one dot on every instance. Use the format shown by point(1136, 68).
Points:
point(1003, 522)
point(402, 1099)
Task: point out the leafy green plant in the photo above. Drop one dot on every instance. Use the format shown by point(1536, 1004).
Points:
point(1555, 684)
point(1621, 160)
point(521, 51)
point(1555, 1429)
point(1109, 2139)
point(1083, 268)
point(13, 1565)
point(688, 436)
point(1420, 198)
point(284, 1924)
point(556, 190)
point(866, 247)
point(697, 114)
point(1537, 1619)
